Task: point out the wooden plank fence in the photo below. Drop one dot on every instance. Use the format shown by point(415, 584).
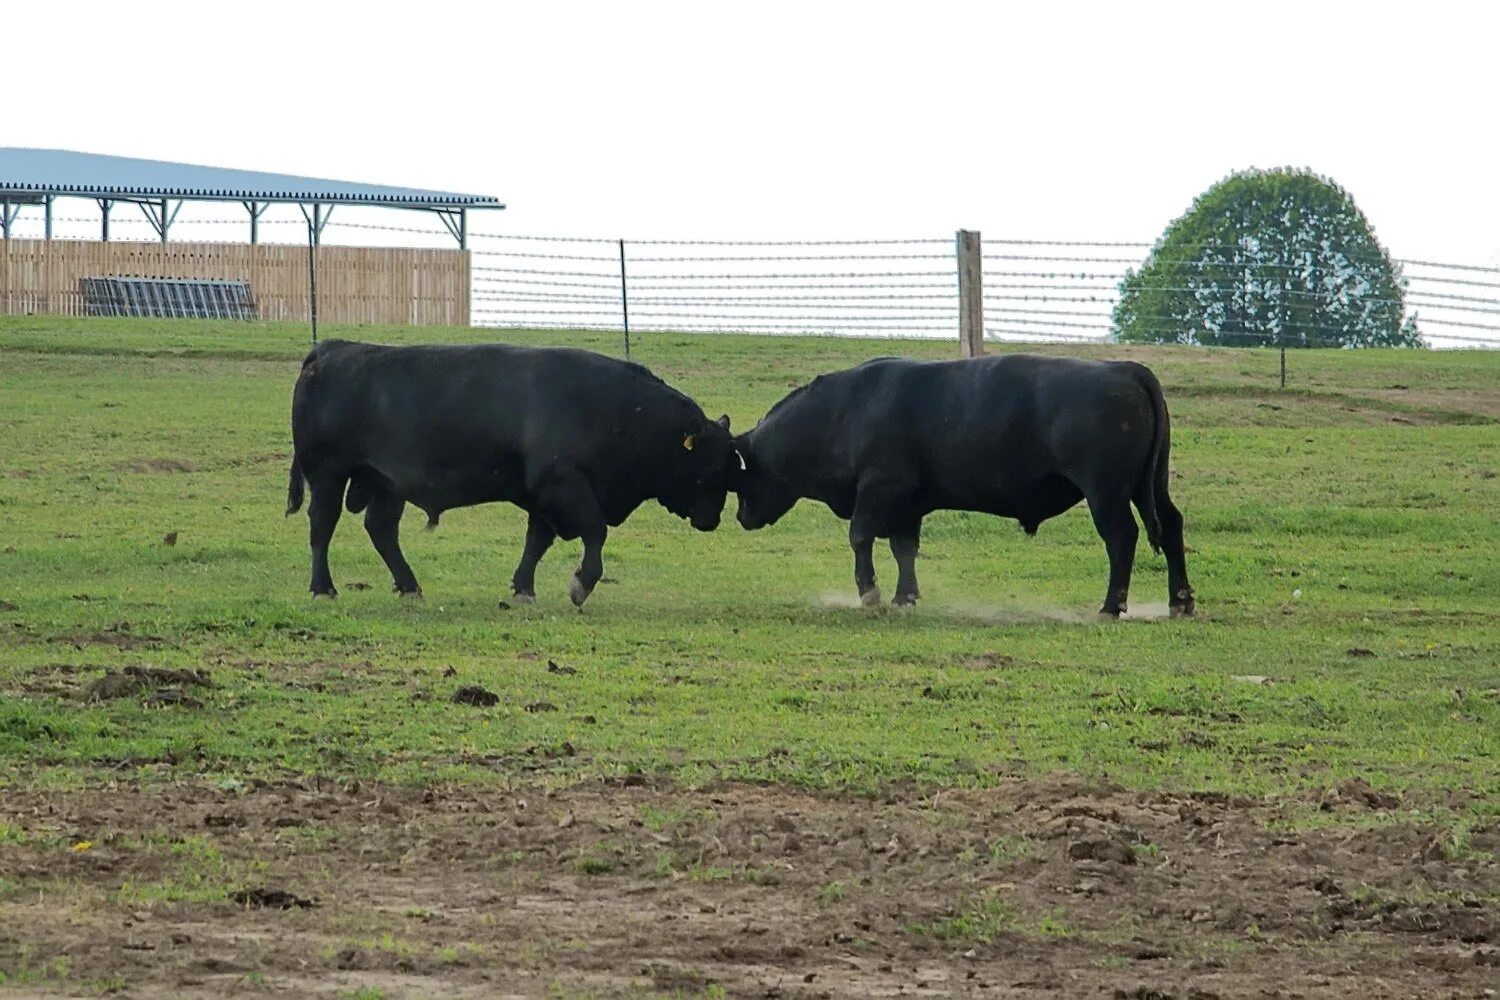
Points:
point(419, 287)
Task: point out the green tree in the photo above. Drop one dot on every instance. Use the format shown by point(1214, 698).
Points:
point(1268, 257)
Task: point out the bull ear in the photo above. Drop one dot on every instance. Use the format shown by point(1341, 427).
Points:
point(724, 421)
point(688, 442)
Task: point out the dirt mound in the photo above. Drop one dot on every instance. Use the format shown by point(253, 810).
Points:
point(159, 685)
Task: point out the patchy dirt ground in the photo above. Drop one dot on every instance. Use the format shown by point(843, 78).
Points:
point(1038, 888)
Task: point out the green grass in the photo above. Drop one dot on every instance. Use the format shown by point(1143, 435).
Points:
point(592, 864)
point(23, 968)
point(1007, 848)
point(979, 920)
point(735, 655)
point(363, 993)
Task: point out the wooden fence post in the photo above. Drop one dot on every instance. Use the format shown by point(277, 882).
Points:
point(970, 294)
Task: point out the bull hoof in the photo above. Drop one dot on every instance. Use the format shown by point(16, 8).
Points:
point(1184, 610)
point(414, 595)
point(904, 601)
point(577, 592)
point(328, 594)
point(520, 598)
point(870, 598)
point(1108, 617)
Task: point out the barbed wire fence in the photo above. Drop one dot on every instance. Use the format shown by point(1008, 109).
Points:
point(1035, 287)
point(893, 287)
point(1034, 290)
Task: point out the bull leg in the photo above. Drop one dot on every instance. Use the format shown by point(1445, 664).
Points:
point(904, 546)
point(862, 541)
point(570, 507)
point(872, 518)
point(539, 538)
point(383, 525)
point(591, 569)
point(1116, 525)
point(323, 516)
point(1180, 597)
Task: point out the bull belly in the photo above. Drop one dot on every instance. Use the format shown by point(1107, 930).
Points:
point(1031, 502)
point(436, 490)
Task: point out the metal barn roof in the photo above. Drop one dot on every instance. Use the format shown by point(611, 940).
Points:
point(30, 175)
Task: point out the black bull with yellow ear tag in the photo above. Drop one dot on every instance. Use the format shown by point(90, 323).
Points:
point(576, 439)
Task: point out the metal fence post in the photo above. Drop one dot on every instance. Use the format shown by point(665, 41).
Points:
point(1286, 315)
point(970, 294)
point(624, 301)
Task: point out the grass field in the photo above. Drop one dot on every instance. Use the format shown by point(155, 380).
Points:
point(1342, 540)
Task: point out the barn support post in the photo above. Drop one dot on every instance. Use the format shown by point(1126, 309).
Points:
point(624, 301)
point(970, 293)
point(47, 217)
point(5, 217)
point(168, 218)
point(161, 215)
point(456, 221)
point(315, 222)
point(314, 240)
point(105, 204)
point(256, 210)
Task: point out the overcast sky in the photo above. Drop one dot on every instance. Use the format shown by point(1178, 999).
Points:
point(796, 120)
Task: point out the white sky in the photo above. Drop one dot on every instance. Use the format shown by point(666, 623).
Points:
point(795, 120)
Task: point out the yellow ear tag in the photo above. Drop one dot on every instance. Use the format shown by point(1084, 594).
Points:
point(687, 442)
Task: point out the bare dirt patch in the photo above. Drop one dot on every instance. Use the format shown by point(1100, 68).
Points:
point(119, 635)
point(156, 684)
point(1036, 888)
point(147, 465)
point(1485, 404)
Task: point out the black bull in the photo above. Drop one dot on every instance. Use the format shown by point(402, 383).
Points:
point(576, 439)
point(889, 441)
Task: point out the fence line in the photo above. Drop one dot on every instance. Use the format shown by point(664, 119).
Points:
point(806, 286)
point(1033, 289)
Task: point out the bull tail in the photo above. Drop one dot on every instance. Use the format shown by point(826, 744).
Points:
point(1154, 480)
point(294, 488)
